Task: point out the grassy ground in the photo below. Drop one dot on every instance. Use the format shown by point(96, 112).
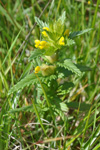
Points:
point(25, 125)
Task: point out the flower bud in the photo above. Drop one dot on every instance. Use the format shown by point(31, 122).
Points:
point(52, 58)
point(47, 70)
point(66, 32)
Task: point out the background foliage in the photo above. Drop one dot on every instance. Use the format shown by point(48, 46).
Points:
point(26, 121)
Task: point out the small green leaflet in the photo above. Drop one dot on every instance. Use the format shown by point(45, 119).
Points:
point(40, 23)
point(36, 53)
point(29, 79)
point(82, 106)
point(62, 18)
point(77, 33)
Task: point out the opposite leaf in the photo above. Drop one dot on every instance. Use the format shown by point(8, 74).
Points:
point(77, 33)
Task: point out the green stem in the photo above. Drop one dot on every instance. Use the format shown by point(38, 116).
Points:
point(36, 111)
point(46, 98)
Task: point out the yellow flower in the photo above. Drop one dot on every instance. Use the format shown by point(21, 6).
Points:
point(42, 44)
point(89, 2)
point(46, 28)
point(61, 41)
point(44, 33)
point(37, 42)
point(66, 32)
point(37, 69)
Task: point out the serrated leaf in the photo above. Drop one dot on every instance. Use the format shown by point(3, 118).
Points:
point(40, 23)
point(81, 106)
point(68, 64)
point(25, 108)
point(77, 33)
point(62, 72)
point(51, 8)
point(58, 104)
point(36, 53)
point(65, 88)
point(62, 17)
point(70, 42)
point(82, 68)
point(49, 78)
point(29, 79)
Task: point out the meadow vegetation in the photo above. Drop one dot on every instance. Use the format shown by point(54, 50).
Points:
point(49, 75)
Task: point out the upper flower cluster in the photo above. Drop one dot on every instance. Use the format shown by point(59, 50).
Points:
point(54, 35)
point(52, 40)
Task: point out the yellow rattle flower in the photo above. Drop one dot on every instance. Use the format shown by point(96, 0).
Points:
point(89, 2)
point(44, 33)
point(37, 43)
point(46, 28)
point(37, 69)
point(61, 41)
point(42, 44)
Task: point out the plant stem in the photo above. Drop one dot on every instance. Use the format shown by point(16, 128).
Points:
point(46, 98)
point(36, 111)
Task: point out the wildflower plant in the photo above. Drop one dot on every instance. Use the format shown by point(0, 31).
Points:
point(52, 72)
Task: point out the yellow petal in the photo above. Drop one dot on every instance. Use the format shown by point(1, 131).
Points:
point(89, 2)
point(37, 42)
point(44, 34)
point(37, 69)
point(41, 47)
point(43, 43)
point(46, 28)
point(61, 41)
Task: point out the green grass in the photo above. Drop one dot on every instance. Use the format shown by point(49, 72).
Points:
point(26, 119)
